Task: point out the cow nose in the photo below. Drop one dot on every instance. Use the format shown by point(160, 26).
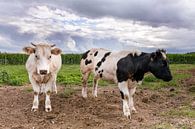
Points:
point(43, 72)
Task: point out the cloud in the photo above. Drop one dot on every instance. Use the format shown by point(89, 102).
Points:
point(76, 25)
point(172, 13)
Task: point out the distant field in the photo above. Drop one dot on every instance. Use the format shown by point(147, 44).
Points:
point(70, 75)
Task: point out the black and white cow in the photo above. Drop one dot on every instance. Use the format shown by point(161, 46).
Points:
point(123, 67)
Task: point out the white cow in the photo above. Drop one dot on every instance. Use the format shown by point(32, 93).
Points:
point(43, 64)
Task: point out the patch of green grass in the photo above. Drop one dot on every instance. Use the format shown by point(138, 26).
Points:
point(13, 75)
point(68, 91)
point(184, 111)
point(29, 89)
point(70, 75)
point(162, 126)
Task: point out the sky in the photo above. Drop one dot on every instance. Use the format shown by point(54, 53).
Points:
point(78, 25)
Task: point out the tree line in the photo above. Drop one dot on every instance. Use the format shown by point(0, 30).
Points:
point(17, 59)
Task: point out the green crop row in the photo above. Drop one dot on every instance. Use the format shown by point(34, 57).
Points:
point(15, 59)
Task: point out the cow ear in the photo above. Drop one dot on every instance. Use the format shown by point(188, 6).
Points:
point(56, 51)
point(29, 50)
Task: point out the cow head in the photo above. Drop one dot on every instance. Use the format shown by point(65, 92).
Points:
point(159, 65)
point(43, 54)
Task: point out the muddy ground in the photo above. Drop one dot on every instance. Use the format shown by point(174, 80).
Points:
point(104, 112)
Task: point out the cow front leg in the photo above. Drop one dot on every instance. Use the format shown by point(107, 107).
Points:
point(35, 105)
point(85, 77)
point(123, 86)
point(95, 85)
point(48, 102)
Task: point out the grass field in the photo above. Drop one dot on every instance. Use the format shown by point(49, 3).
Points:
point(161, 105)
point(70, 75)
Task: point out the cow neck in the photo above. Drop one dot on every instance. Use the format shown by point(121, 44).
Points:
point(141, 64)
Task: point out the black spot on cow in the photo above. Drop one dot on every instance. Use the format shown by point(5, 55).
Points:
point(132, 67)
point(84, 56)
point(103, 59)
point(87, 62)
point(96, 68)
point(122, 95)
point(99, 64)
point(95, 54)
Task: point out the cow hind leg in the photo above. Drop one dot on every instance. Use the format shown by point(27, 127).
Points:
point(123, 86)
point(85, 77)
point(95, 85)
point(131, 102)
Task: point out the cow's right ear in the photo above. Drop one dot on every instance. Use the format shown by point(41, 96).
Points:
point(29, 50)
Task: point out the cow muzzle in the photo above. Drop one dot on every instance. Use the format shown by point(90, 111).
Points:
point(43, 72)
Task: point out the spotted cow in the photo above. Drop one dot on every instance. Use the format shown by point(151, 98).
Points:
point(43, 64)
point(123, 68)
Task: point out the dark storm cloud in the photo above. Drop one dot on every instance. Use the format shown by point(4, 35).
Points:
point(12, 32)
point(172, 13)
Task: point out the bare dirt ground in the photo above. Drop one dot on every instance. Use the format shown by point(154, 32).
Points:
point(104, 112)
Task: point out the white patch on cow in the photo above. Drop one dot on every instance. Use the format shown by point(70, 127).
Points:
point(43, 65)
point(164, 55)
point(123, 86)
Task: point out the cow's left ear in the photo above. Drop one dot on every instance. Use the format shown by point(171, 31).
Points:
point(56, 51)
point(29, 50)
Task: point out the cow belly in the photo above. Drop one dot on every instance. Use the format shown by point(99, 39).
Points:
point(109, 77)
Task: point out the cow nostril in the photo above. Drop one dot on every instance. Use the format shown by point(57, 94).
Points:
point(43, 71)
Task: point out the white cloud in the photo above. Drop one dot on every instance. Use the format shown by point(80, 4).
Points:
point(71, 44)
point(44, 20)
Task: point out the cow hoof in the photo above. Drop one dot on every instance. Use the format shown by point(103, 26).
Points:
point(34, 109)
point(48, 109)
point(133, 110)
point(84, 95)
point(127, 113)
point(95, 95)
